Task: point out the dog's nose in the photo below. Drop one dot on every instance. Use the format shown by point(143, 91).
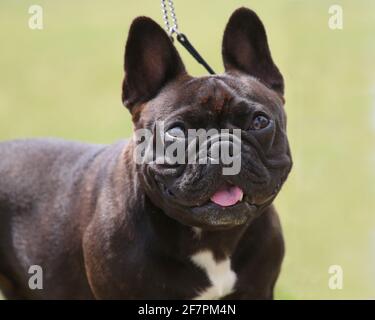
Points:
point(224, 149)
point(217, 148)
point(221, 148)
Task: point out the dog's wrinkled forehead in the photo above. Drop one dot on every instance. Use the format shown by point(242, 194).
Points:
point(217, 92)
point(214, 94)
point(210, 92)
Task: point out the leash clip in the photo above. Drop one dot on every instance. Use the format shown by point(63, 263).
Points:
point(189, 47)
point(180, 36)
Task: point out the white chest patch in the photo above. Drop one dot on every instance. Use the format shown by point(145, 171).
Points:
point(220, 274)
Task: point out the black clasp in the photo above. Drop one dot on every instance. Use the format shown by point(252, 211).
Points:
point(189, 47)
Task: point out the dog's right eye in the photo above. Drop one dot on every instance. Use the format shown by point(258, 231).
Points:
point(260, 121)
point(176, 132)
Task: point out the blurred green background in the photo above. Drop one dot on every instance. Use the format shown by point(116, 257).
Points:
point(65, 80)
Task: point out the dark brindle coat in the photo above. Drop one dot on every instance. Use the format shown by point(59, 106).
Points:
point(101, 226)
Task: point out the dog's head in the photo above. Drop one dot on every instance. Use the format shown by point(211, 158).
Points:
point(247, 98)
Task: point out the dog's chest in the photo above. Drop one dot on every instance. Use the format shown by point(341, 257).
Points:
point(220, 274)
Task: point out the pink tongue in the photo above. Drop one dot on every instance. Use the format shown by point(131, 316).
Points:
point(227, 196)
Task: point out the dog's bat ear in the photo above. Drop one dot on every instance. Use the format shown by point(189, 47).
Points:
point(245, 48)
point(151, 60)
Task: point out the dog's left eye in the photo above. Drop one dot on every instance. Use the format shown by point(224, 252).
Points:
point(260, 121)
point(176, 132)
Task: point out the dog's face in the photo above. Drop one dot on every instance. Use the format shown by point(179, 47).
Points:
point(247, 97)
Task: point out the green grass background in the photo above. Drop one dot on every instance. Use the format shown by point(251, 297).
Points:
point(65, 80)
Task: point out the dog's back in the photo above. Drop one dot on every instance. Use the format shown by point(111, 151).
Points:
point(36, 178)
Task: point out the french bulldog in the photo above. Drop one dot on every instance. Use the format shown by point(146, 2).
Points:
point(101, 225)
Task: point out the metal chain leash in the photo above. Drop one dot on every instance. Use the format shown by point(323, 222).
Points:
point(172, 27)
point(169, 10)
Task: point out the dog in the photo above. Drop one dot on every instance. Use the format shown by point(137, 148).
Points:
point(100, 225)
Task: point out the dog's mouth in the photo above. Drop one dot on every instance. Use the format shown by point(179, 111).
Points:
point(227, 195)
point(226, 207)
